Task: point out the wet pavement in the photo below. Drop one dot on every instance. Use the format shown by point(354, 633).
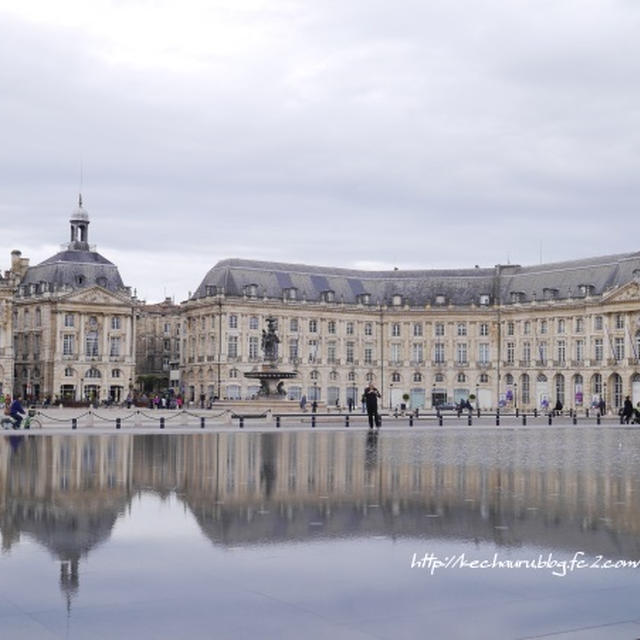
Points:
point(327, 533)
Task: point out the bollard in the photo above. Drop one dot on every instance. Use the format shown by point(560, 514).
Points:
point(469, 419)
point(277, 422)
point(497, 418)
point(118, 423)
point(598, 418)
point(586, 412)
point(411, 420)
point(478, 412)
point(524, 419)
point(313, 420)
point(74, 423)
point(417, 413)
point(202, 422)
point(162, 422)
point(550, 418)
point(346, 420)
point(535, 412)
point(575, 418)
point(241, 422)
point(621, 419)
point(440, 419)
point(517, 412)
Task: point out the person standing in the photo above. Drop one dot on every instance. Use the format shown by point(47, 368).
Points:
point(370, 400)
point(627, 409)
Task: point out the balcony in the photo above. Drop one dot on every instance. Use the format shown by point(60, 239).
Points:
point(524, 363)
point(508, 363)
point(612, 362)
point(461, 363)
point(211, 358)
point(541, 363)
point(438, 363)
point(559, 363)
point(577, 363)
point(632, 361)
point(417, 363)
point(483, 364)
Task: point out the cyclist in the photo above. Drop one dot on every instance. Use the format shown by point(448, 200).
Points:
point(16, 411)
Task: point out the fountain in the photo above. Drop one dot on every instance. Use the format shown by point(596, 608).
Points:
point(271, 380)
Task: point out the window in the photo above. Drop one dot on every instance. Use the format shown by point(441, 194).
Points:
point(293, 325)
point(38, 317)
point(417, 329)
point(293, 349)
point(543, 326)
point(251, 290)
point(483, 352)
point(116, 373)
point(439, 329)
point(349, 328)
point(253, 347)
point(233, 321)
point(370, 377)
point(525, 388)
point(313, 375)
point(484, 329)
point(526, 329)
point(440, 299)
point(396, 300)
point(526, 352)
point(253, 322)
point(484, 378)
point(68, 344)
point(115, 322)
point(438, 352)
point(417, 352)
point(395, 377)
point(313, 326)
point(114, 346)
point(511, 352)
point(561, 325)
point(542, 350)
point(167, 326)
point(395, 353)
point(68, 372)
point(232, 347)
point(368, 329)
point(579, 350)
point(333, 376)
point(313, 350)
point(439, 377)
point(510, 328)
point(331, 352)
point(579, 325)
point(619, 321)
point(364, 298)
point(618, 349)
point(91, 343)
point(461, 329)
point(484, 299)
point(561, 351)
point(351, 376)
point(417, 377)
point(598, 350)
point(233, 373)
point(92, 373)
point(291, 293)
point(350, 350)
point(395, 329)
point(461, 377)
point(368, 354)
point(461, 353)
point(597, 323)
point(331, 326)
point(68, 319)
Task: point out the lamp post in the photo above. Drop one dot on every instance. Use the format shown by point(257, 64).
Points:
point(433, 395)
point(391, 397)
point(81, 389)
point(604, 398)
point(515, 396)
point(477, 399)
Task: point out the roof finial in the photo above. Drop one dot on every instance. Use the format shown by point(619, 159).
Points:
point(80, 199)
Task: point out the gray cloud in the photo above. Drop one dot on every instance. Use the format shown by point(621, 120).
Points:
point(414, 134)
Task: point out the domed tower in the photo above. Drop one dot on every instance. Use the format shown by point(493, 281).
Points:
point(79, 228)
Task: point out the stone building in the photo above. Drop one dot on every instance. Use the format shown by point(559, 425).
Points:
point(8, 285)
point(158, 346)
point(74, 324)
point(505, 336)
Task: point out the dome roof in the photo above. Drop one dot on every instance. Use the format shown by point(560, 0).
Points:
point(80, 214)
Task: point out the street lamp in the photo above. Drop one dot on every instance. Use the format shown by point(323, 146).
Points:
point(515, 396)
point(391, 397)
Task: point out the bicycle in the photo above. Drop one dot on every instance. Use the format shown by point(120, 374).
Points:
point(28, 422)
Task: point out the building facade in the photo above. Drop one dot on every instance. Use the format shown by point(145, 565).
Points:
point(508, 336)
point(73, 325)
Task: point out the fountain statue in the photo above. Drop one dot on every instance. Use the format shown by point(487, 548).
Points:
point(271, 380)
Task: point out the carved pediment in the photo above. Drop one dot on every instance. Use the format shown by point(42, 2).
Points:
point(625, 293)
point(94, 295)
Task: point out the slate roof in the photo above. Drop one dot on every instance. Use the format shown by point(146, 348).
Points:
point(76, 269)
point(458, 286)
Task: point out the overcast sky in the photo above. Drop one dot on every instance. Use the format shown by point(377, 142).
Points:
point(355, 133)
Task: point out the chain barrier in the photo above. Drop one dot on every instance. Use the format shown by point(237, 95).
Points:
point(252, 416)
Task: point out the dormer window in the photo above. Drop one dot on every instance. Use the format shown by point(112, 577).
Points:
point(328, 296)
point(549, 293)
point(290, 294)
point(485, 299)
point(251, 290)
point(396, 300)
point(517, 296)
point(440, 299)
point(210, 290)
point(586, 289)
point(364, 298)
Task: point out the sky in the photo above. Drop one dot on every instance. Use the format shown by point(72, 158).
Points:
point(351, 133)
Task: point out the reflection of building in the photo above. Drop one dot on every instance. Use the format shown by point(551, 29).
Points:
point(521, 336)
point(74, 324)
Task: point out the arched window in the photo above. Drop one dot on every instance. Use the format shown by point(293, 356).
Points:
point(333, 375)
point(560, 388)
point(525, 389)
point(417, 377)
point(314, 375)
point(439, 377)
point(370, 377)
point(395, 377)
point(351, 376)
point(92, 373)
point(484, 378)
point(462, 377)
point(233, 373)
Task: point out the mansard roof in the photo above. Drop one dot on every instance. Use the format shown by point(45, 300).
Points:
point(75, 269)
point(560, 280)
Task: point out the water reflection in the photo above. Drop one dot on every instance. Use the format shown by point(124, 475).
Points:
point(562, 490)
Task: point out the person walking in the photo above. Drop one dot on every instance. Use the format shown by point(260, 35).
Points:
point(370, 400)
point(627, 410)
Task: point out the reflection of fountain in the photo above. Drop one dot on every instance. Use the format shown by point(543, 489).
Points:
point(271, 380)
